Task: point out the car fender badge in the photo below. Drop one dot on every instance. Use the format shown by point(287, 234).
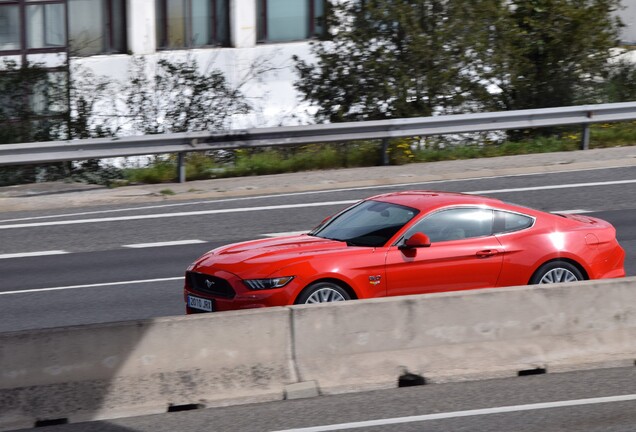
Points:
point(375, 280)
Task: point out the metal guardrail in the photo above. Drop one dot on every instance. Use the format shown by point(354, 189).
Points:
point(182, 143)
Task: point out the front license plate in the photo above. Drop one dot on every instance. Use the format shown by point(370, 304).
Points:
point(200, 303)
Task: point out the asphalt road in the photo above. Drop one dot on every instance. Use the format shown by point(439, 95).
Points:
point(588, 401)
point(125, 261)
point(122, 262)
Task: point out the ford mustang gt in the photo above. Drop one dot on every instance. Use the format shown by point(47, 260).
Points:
point(403, 243)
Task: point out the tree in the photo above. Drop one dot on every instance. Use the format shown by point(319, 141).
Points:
point(547, 53)
point(33, 107)
point(404, 58)
point(32, 102)
point(391, 58)
point(177, 97)
point(91, 102)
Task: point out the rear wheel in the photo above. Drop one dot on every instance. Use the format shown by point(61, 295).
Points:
point(323, 292)
point(556, 272)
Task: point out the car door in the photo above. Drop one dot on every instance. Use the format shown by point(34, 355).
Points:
point(463, 254)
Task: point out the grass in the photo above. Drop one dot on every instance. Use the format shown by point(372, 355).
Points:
point(262, 161)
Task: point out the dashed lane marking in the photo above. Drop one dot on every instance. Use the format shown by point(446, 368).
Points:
point(97, 285)
point(467, 413)
point(33, 254)
point(165, 243)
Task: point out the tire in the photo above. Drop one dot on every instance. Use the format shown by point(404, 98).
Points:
point(556, 272)
point(323, 292)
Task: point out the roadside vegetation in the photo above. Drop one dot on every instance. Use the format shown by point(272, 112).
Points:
point(379, 59)
point(249, 162)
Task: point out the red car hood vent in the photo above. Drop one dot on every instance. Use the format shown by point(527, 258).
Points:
point(270, 250)
point(291, 244)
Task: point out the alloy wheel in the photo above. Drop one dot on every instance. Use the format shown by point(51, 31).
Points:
point(558, 275)
point(325, 295)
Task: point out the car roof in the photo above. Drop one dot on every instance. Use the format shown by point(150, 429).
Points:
point(426, 200)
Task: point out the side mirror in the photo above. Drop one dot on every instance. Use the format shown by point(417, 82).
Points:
point(321, 224)
point(417, 240)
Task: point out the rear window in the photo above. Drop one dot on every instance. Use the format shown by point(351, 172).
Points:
point(506, 222)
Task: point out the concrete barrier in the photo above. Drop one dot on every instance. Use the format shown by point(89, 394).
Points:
point(110, 370)
point(119, 369)
point(466, 335)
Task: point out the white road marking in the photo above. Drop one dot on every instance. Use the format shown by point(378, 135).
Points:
point(467, 413)
point(166, 243)
point(290, 206)
point(551, 187)
point(178, 214)
point(291, 194)
point(282, 234)
point(133, 282)
point(33, 254)
point(195, 241)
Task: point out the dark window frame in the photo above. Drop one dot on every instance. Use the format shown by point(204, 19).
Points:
point(24, 50)
point(213, 41)
point(262, 27)
point(108, 27)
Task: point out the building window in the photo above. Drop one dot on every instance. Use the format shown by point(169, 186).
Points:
point(32, 26)
point(97, 26)
point(45, 25)
point(31, 92)
point(48, 95)
point(192, 23)
point(9, 27)
point(289, 20)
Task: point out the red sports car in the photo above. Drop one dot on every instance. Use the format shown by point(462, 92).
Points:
point(402, 243)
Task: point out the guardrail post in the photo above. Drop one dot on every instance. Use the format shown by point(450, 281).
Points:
point(181, 168)
point(385, 151)
point(585, 137)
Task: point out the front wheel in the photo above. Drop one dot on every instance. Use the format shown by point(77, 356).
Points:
point(556, 272)
point(323, 292)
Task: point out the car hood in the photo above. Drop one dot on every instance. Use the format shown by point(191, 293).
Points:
point(260, 258)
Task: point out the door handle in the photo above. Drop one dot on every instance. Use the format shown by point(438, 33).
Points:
point(487, 253)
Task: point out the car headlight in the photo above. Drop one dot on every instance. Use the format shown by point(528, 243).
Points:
point(261, 284)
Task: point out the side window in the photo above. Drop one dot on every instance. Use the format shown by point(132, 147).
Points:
point(455, 224)
point(508, 222)
point(97, 26)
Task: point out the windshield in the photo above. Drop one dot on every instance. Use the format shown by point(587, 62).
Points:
point(368, 223)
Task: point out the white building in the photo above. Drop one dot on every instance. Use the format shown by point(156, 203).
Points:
point(628, 16)
point(229, 35)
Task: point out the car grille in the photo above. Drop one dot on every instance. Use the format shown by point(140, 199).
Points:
point(210, 285)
